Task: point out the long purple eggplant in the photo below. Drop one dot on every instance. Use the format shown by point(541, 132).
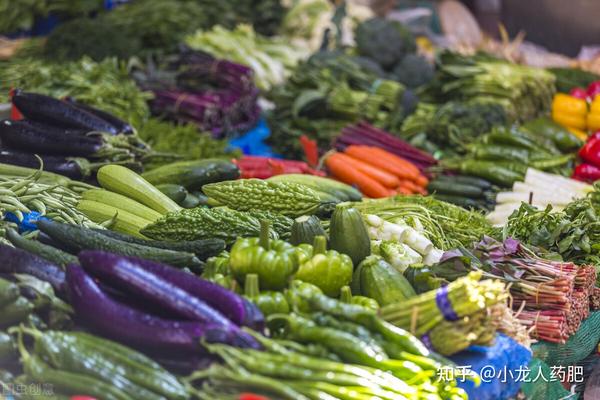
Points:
point(69, 167)
point(46, 109)
point(125, 324)
point(17, 261)
point(127, 274)
point(23, 136)
point(233, 306)
point(119, 124)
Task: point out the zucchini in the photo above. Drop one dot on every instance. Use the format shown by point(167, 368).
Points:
point(338, 189)
point(348, 233)
point(305, 229)
point(193, 174)
point(119, 179)
point(121, 202)
point(80, 238)
point(45, 251)
point(177, 193)
point(467, 180)
point(202, 248)
point(461, 201)
point(455, 188)
point(124, 222)
point(377, 279)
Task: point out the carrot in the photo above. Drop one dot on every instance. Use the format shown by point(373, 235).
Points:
point(403, 190)
point(345, 173)
point(383, 177)
point(394, 158)
point(385, 161)
point(422, 180)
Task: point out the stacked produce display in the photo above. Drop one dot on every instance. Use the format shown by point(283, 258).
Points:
point(407, 221)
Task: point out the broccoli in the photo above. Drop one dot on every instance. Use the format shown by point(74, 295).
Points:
point(369, 65)
point(413, 71)
point(386, 42)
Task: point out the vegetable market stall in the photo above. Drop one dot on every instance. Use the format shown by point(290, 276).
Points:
point(423, 223)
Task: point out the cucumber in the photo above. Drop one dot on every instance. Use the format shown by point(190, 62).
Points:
point(122, 203)
point(177, 193)
point(455, 188)
point(193, 174)
point(119, 179)
point(348, 234)
point(463, 201)
point(49, 253)
point(81, 238)
point(338, 189)
point(124, 221)
point(191, 201)
point(305, 229)
point(202, 248)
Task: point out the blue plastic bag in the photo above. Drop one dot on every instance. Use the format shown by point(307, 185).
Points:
point(252, 142)
point(29, 220)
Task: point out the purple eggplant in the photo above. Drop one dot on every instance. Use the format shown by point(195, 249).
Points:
point(125, 324)
point(74, 168)
point(55, 129)
point(233, 306)
point(127, 274)
point(23, 136)
point(17, 261)
point(46, 109)
point(119, 124)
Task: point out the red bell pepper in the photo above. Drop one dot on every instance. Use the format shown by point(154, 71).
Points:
point(590, 151)
point(311, 151)
point(593, 89)
point(15, 114)
point(586, 173)
point(579, 93)
point(82, 398)
point(252, 396)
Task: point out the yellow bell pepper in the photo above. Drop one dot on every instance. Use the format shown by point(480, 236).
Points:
point(563, 103)
point(581, 135)
point(593, 121)
point(595, 106)
point(569, 120)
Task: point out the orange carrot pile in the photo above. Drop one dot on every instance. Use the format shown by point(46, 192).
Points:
point(376, 172)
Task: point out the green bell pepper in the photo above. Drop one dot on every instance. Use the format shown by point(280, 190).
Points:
point(274, 261)
point(367, 302)
point(297, 294)
point(328, 270)
point(268, 302)
point(217, 265)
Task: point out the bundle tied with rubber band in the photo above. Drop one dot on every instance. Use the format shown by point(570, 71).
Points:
point(453, 317)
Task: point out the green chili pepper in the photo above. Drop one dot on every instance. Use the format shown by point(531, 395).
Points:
point(348, 347)
point(500, 173)
point(9, 292)
point(297, 294)
point(497, 152)
point(552, 162)
point(268, 302)
point(15, 312)
point(328, 270)
point(274, 261)
point(562, 138)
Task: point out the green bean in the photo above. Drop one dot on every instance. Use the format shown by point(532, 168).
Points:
point(39, 206)
point(15, 202)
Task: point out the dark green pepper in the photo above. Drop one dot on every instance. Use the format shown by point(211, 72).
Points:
point(274, 261)
point(268, 302)
point(328, 270)
point(348, 347)
point(561, 137)
point(9, 291)
point(15, 312)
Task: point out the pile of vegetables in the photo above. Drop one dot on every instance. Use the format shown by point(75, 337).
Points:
point(326, 93)
point(105, 85)
point(524, 92)
point(271, 59)
point(463, 190)
point(217, 95)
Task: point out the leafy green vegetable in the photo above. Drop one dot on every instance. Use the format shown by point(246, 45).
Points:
point(106, 85)
point(97, 38)
point(569, 78)
point(182, 140)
